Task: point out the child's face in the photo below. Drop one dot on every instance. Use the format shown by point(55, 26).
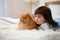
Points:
point(39, 19)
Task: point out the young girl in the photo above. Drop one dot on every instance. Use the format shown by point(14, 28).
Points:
point(44, 19)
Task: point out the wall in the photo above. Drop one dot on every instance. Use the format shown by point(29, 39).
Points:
point(2, 8)
point(13, 8)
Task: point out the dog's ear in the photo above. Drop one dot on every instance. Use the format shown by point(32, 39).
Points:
point(28, 15)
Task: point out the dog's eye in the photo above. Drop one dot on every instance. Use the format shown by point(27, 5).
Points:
point(22, 20)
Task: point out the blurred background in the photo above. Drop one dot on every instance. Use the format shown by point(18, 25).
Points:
point(13, 8)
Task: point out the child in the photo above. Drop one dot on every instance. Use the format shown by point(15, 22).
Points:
point(43, 18)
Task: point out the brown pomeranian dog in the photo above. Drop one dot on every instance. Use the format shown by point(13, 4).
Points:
point(26, 22)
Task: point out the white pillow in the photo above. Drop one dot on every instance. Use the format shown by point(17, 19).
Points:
point(11, 20)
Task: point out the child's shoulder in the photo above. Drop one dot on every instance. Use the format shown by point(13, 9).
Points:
point(45, 26)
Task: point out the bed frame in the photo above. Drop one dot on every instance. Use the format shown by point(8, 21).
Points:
point(52, 3)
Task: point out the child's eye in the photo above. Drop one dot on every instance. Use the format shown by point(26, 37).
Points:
point(39, 17)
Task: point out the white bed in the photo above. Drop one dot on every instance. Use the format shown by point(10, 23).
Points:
point(8, 31)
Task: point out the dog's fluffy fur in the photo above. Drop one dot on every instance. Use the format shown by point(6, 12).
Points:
point(26, 22)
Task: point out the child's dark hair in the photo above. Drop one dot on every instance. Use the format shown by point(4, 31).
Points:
point(46, 12)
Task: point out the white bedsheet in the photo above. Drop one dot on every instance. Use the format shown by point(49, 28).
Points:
point(8, 31)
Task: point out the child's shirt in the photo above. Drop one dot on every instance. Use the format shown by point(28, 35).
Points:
point(45, 26)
